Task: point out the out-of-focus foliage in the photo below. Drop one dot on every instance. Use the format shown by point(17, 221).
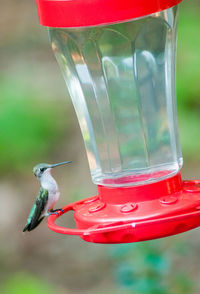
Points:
point(145, 268)
point(31, 126)
point(188, 80)
point(24, 283)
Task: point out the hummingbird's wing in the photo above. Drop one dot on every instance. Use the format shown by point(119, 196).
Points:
point(35, 216)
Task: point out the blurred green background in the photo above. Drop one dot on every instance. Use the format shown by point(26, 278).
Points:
point(38, 124)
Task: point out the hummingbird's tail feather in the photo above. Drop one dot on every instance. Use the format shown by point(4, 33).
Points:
point(32, 225)
point(26, 228)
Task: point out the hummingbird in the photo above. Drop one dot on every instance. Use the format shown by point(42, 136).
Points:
point(47, 196)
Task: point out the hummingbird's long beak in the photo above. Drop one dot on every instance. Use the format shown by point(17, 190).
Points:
point(61, 163)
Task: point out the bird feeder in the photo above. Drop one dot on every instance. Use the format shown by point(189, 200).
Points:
point(118, 59)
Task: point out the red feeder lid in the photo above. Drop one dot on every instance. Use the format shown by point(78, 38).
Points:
point(80, 13)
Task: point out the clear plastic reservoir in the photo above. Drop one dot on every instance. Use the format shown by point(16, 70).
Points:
point(121, 79)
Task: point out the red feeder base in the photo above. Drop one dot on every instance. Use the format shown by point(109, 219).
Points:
point(133, 214)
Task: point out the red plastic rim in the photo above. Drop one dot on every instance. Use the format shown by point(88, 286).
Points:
point(172, 211)
point(113, 226)
point(79, 13)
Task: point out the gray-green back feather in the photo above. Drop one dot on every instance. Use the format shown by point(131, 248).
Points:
point(35, 216)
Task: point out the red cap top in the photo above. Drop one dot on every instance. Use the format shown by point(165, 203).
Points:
point(79, 13)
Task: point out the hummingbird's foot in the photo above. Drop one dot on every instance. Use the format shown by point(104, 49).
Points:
point(57, 210)
point(53, 213)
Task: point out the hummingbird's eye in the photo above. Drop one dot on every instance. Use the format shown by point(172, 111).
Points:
point(42, 169)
